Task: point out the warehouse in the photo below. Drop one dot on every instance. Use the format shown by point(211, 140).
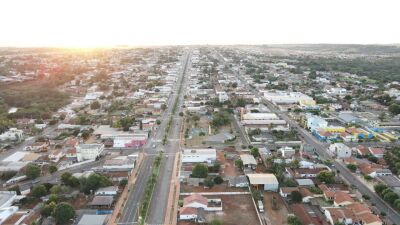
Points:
point(266, 180)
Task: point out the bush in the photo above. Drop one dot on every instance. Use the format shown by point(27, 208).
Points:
point(209, 183)
point(296, 197)
point(39, 191)
point(218, 180)
point(53, 168)
point(123, 182)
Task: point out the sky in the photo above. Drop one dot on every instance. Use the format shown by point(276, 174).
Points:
point(102, 23)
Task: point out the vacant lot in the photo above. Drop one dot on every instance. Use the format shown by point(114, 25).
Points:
point(277, 216)
point(237, 209)
point(224, 187)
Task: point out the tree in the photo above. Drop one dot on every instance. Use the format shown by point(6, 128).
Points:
point(218, 180)
point(352, 167)
point(292, 220)
point(63, 213)
point(326, 177)
point(239, 163)
point(181, 114)
point(65, 177)
point(200, 171)
point(215, 222)
point(48, 209)
point(56, 189)
point(394, 109)
point(208, 183)
point(382, 116)
point(53, 168)
point(163, 106)
point(296, 197)
point(32, 171)
point(123, 182)
point(39, 191)
point(158, 122)
point(255, 152)
point(390, 197)
point(348, 97)
point(256, 194)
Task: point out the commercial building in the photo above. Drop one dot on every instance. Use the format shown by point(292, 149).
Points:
point(267, 181)
point(206, 155)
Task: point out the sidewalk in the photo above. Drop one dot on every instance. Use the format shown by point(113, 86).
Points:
point(173, 197)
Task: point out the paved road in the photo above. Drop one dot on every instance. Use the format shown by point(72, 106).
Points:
point(130, 213)
point(320, 148)
point(159, 201)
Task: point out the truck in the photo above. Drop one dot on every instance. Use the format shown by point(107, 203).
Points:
point(260, 206)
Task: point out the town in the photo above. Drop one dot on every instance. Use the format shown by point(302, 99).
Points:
point(269, 135)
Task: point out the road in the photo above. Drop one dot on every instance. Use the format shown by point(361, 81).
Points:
point(159, 201)
point(130, 213)
point(320, 148)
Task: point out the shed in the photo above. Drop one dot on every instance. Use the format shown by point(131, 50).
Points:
point(268, 180)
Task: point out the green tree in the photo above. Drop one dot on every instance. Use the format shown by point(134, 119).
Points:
point(32, 171)
point(123, 182)
point(292, 220)
point(296, 197)
point(352, 167)
point(200, 171)
point(326, 177)
point(239, 163)
point(53, 168)
point(394, 109)
point(39, 191)
point(56, 189)
point(48, 209)
point(95, 105)
point(65, 177)
point(63, 213)
point(218, 180)
point(215, 222)
point(255, 152)
point(209, 182)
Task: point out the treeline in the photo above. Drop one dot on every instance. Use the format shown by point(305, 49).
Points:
point(382, 70)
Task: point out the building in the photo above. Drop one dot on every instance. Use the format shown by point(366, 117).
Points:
point(287, 152)
point(267, 181)
point(340, 150)
point(314, 122)
point(222, 96)
point(94, 219)
point(56, 155)
point(206, 155)
point(107, 191)
point(248, 161)
point(88, 151)
point(13, 134)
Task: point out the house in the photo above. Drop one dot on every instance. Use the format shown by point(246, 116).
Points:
point(71, 153)
point(267, 181)
point(192, 214)
point(287, 152)
point(207, 155)
point(248, 161)
point(305, 182)
point(355, 213)
point(373, 170)
point(88, 219)
point(88, 151)
point(341, 198)
point(314, 122)
point(56, 155)
point(340, 150)
point(200, 202)
point(107, 191)
point(286, 191)
point(38, 147)
point(361, 150)
point(13, 134)
point(305, 172)
point(102, 201)
point(377, 152)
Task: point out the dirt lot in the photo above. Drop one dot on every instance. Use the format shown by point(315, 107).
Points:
point(276, 216)
point(237, 210)
point(228, 168)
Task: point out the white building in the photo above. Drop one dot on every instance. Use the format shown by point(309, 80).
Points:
point(107, 191)
point(222, 96)
point(207, 155)
point(340, 150)
point(13, 134)
point(287, 151)
point(267, 180)
point(88, 151)
point(283, 97)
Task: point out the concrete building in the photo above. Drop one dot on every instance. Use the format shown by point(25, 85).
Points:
point(207, 155)
point(340, 150)
point(13, 134)
point(88, 151)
